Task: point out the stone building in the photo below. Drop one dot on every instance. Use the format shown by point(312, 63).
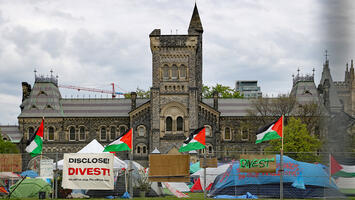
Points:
point(175, 107)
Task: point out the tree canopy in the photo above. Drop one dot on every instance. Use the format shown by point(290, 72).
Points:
point(297, 139)
point(223, 91)
point(140, 94)
point(7, 147)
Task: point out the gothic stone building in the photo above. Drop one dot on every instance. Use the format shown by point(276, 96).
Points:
point(175, 107)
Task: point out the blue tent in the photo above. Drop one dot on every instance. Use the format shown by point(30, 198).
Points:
point(301, 180)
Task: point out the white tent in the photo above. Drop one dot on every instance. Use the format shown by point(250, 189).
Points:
point(95, 147)
point(211, 174)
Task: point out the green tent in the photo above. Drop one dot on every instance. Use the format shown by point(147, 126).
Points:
point(29, 188)
point(195, 167)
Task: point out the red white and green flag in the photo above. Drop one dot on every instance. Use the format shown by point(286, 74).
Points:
point(340, 170)
point(34, 144)
point(270, 132)
point(123, 143)
point(196, 140)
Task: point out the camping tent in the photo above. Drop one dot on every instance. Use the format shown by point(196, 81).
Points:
point(195, 167)
point(95, 147)
point(211, 174)
point(137, 172)
point(301, 180)
point(29, 188)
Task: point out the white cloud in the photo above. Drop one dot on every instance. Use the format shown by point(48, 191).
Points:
point(95, 43)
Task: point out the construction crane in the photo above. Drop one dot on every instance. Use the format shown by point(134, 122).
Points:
point(113, 92)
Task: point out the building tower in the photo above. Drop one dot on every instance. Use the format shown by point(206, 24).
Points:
point(177, 85)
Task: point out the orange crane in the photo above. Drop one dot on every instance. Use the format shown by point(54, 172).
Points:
point(113, 92)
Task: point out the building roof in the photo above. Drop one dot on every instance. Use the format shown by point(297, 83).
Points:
point(231, 107)
point(12, 132)
point(45, 101)
point(195, 22)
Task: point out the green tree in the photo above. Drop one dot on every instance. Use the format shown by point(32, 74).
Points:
point(223, 92)
point(7, 147)
point(140, 94)
point(297, 139)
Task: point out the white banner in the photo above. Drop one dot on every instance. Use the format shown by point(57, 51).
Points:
point(88, 171)
point(46, 168)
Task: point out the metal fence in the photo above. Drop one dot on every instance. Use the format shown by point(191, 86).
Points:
point(305, 175)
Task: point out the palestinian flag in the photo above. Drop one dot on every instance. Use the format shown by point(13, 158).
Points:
point(339, 170)
point(196, 140)
point(123, 143)
point(34, 144)
point(270, 132)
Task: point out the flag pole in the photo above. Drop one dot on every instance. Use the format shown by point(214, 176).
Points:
point(281, 161)
point(130, 170)
point(330, 168)
point(204, 174)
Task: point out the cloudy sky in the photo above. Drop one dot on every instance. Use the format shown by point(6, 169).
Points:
point(94, 43)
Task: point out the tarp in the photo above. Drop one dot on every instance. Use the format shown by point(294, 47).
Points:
point(180, 186)
point(95, 147)
point(137, 172)
point(300, 174)
point(211, 173)
point(29, 188)
point(30, 174)
point(9, 175)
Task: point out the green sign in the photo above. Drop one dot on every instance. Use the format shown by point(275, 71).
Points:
point(257, 163)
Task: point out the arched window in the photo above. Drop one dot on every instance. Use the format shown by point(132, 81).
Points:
point(168, 124)
point(103, 135)
point(113, 133)
point(122, 129)
point(227, 133)
point(166, 72)
point(179, 124)
point(245, 134)
point(208, 130)
point(141, 149)
point(50, 134)
point(182, 71)
point(82, 133)
point(210, 149)
point(72, 134)
point(174, 72)
point(141, 130)
point(31, 131)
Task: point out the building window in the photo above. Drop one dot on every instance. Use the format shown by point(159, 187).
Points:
point(72, 134)
point(141, 130)
point(227, 134)
point(166, 72)
point(182, 71)
point(168, 124)
point(113, 133)
point(123, 129)
point(103, 135)
point(208, 130)
point(209, 148)
point(50, 134)
point(31, 131)
point(174, 72)
point(82, 133)
point(245, 134)
point(179, 124)
point(141, 149)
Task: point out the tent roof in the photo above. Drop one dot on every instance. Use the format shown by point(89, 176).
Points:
point(95, 147)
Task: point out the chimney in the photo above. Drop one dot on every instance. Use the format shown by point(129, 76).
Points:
point(133, 100)
point(215, 100)
point(26, 90)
